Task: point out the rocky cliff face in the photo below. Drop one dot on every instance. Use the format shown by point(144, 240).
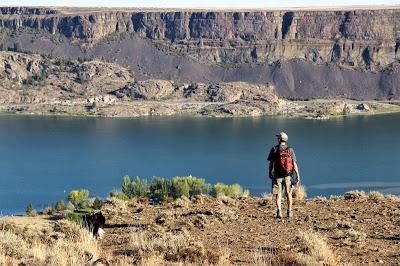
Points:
point(205, 46)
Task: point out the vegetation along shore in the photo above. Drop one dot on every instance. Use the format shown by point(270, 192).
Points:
point(185, 221)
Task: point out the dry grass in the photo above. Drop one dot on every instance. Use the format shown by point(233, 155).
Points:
point(393, 198)
point(160, 248)
point(376, 196)
point(314, 250)
point(71, 245)
point(182, 202)
point(299, 192)
point(355, 195)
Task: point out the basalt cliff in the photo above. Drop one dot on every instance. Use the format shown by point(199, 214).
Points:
point(350, 53)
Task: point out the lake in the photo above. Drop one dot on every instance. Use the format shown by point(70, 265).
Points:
point(42, 158)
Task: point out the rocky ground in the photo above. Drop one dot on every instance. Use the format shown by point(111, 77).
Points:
point(356, 231)
point(33, 84)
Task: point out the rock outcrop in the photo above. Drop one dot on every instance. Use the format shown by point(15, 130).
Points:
point(351, 53)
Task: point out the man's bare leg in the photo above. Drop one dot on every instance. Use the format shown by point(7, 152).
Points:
point(278, 200)
point(289, 204)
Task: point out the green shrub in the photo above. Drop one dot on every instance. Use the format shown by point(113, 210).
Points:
point(113, 193)
point(188, 186)
point(179, 187)
point(135, 188)
point(122, 196)
point(30, 211)
point(127, 186)
point(232, 191)
point(78, 197)
point(159, 188)
point(97, 203)
point(74, 217)
point(60, 206)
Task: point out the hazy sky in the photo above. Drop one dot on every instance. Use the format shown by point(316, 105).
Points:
point(196, 3)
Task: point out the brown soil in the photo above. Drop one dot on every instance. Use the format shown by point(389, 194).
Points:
point(360, 232)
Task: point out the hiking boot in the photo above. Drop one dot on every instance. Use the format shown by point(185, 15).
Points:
point(279, 214)
point(289, 213)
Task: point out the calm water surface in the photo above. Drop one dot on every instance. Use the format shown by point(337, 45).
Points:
point(43, 158)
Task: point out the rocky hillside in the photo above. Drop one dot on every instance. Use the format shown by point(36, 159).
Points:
point(350, 53)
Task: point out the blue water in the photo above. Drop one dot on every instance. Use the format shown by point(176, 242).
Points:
point(43, 158)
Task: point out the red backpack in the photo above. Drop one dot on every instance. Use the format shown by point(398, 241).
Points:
point(285, 160)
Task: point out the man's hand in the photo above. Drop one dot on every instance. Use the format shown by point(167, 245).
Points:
point(297, 179)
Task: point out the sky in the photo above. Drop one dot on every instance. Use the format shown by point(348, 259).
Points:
point(197, 3)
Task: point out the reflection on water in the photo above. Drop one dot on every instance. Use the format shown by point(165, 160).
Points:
point(41, 157)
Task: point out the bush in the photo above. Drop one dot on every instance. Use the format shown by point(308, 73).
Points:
point(179, 187)
point(83, 78)
point(60, 206)
point(315, 251)
point(355, 195)
point(74, 217)
point(376, 196)
point(233, 191)
point(78, 197)
point(299, 192)
point(135, 188)
point(97, 203)
point(159, 189)
point(30, 211)
point(48, 210)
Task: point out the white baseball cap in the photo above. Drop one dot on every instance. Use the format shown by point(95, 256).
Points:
point(283, 136)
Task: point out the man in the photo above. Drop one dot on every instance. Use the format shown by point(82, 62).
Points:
point(282, 163)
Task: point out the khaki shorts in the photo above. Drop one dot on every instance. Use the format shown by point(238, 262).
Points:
point(278, 184)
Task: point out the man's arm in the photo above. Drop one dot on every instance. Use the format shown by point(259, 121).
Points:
point(271, 166)
point(296, 170)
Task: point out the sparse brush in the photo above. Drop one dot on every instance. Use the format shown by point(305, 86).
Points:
point(314, 249)
point(48, 210)
point(299, 192)
point(320, 198)
point(393, 198)
point(355, 195)
point(60, 206)
point(114, 207)
point(13, 245)
point(182, 202)
point(267, 196)
point(376, 196)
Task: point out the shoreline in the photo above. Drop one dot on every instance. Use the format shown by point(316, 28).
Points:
point(322, 109)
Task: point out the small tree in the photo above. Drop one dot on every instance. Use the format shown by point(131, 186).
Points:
point(30, 211)
point(140, 187)
point(127, 186)
point(159, 189)
point(78, 197)
point(60, 206)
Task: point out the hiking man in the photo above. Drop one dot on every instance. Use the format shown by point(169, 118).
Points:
point(282, 163)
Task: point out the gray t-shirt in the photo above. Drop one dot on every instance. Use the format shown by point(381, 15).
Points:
point(273, 157)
